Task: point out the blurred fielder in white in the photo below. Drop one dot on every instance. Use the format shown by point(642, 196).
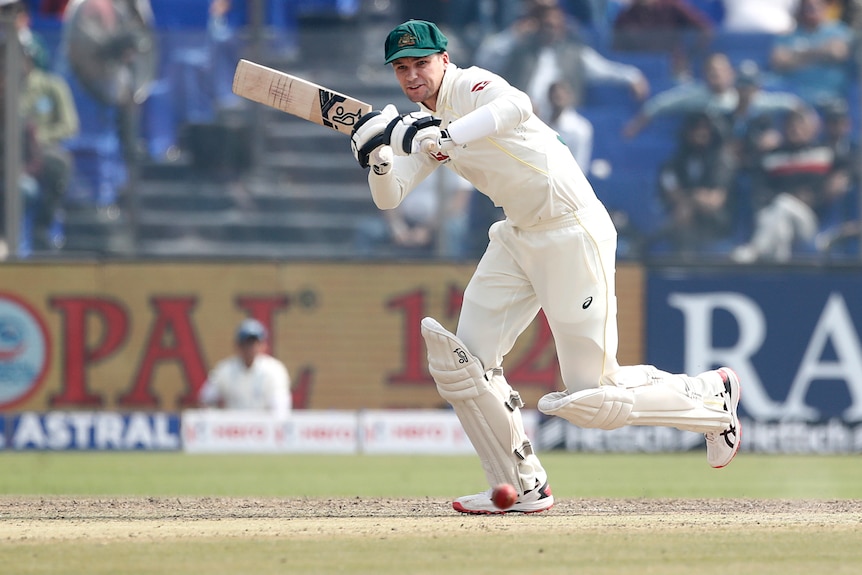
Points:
point(251, 379)
point(555, 251)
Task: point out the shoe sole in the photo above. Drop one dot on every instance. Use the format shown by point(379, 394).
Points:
point(461, 509)
point(735, 394)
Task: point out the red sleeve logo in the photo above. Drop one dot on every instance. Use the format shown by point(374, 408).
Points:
point(480, 86)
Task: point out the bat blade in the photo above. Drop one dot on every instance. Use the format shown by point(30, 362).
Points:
point(298, 97)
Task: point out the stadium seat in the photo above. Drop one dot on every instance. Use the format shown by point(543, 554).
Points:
point(99, 168)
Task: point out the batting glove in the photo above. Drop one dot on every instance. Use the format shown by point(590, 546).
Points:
point(368, 136)
point(415, 132)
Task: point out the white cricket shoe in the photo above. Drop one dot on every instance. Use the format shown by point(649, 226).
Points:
point(722, 446)
point(533, 501)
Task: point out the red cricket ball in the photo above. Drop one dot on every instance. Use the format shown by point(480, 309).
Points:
point(504, 496)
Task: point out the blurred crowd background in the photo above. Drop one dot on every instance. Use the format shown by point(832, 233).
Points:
point(716, 131)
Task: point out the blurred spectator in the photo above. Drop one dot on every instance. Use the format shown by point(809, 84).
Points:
point(110, 47)
point(575, 130)
point(430, 222)
point(740, 98)
point(47, 103)
point(251, 379)
point(715, 94)
point(695, 187)
point(8, 9)
point(31, 42)
point(759, 16)
point(839, 135)
point(664, 26)
point(541, 48)
point(220, 40)
point(752, 121)
point(469, 20)
point(31, 167)
point(814, 59)
point(798, 182)
point(852, 14)
point(587, 12)
point(53, 8)
point(835, 10)
point(200, 82)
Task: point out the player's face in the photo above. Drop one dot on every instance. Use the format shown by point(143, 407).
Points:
point(420, 78)
point(250, 349)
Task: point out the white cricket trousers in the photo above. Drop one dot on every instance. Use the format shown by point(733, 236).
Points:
point(566, 267)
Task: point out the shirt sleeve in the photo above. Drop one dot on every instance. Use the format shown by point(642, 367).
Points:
point(680, 99)
point(279, 390)
point(210, 392)
point(778, 102)
point(389, 190)
point(597, 68)
point(477, 88)
point(67, 122)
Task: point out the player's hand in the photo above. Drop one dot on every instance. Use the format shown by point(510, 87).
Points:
point(411, 133)
point(368, 136)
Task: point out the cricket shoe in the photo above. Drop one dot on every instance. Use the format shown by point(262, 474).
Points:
point(722, 446)
point(533, 501)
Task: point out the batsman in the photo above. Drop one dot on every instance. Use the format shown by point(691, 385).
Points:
point(554, 251)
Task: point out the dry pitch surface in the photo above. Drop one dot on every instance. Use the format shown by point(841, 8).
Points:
point(42, 519)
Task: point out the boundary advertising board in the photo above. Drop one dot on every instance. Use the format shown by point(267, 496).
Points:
point(792, 335)
point(143, 336)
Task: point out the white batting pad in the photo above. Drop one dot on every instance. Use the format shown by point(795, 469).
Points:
point(487, 407)
point(459, 372)
point(604, 407)
point(611, 407)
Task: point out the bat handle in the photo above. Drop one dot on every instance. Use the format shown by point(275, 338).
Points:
point(429, 145)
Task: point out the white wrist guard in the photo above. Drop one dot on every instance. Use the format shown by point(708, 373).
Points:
point(478, 124)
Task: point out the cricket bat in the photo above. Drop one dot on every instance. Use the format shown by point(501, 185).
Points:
point(303, 99)
point(298, 97)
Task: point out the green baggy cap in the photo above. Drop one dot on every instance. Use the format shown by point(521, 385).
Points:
point(414, 38)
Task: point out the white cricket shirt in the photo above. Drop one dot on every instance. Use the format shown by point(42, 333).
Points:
point(524, 167)
point(263, 386)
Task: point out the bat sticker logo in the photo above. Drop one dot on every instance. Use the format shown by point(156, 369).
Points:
point(333, 113)
point(462, 355)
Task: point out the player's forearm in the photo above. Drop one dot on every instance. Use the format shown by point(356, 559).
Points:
point(208, 394)
point(388, 190)
point(385, 190)
point(597, 68)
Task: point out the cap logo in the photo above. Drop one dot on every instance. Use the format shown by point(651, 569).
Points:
point(406, 40)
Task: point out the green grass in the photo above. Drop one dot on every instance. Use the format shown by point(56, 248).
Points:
point(551, 543)
point(572, 475)
point(560, 552)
